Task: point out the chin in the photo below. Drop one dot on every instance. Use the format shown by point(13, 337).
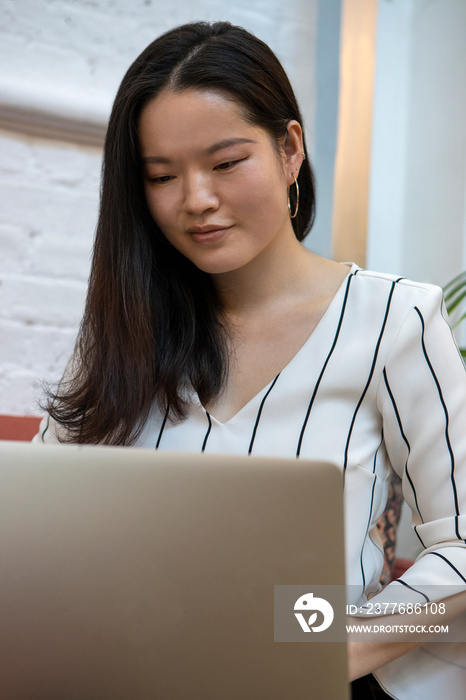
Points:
point(216, 269)
point(217, 266)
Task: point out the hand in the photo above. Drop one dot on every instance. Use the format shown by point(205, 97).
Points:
point(380, 648)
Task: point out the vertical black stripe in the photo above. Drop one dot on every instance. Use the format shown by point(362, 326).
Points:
point(361, 558)
point(444, 315)
point(45, 429)
point(208, 431)
point(447, 425)
point(403, 583)
point(365, 536)
point(370, 516)
point(449, 564)
point(335, 340)
point(259, 413)
point(371, 374)
point(405, 439)
point(395, 408)
point(162, 428)
point(374, 467)
point(418, 536)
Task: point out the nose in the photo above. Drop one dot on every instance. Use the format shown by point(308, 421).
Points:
point(199, 195)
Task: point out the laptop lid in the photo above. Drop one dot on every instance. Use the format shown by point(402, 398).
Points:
point(134, 574)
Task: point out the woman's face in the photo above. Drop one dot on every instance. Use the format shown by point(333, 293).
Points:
point(215, 184)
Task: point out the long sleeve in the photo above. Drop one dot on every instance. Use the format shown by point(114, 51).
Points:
point(422, 398)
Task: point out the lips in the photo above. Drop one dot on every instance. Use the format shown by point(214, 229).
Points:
point(208, 234)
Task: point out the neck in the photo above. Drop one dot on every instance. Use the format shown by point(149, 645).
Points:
point(267, 279)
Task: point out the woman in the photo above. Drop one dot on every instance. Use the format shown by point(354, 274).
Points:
point(209, 327)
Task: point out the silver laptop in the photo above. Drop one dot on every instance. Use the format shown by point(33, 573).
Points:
point(129, 574)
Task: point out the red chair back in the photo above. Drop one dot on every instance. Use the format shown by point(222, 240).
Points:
point(18, 427)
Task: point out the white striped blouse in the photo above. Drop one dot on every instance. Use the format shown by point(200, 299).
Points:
point(378, 386)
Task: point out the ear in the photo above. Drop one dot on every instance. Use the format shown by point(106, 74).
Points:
point(293, 150)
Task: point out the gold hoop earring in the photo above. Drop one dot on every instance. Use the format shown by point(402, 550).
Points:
point(293, 215)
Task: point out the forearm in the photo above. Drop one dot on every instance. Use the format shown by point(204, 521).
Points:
point(379, 649)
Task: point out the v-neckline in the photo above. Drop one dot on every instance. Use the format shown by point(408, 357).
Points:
point(334, 303)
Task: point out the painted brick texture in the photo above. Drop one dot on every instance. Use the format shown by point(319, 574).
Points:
point(75, 52)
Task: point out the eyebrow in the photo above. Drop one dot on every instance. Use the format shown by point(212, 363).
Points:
point(226, 143)
point(219, 146)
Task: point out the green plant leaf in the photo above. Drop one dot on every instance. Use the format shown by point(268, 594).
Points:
point(459, 320)
point(456, 290)
point(452, 304)
point(461, 279)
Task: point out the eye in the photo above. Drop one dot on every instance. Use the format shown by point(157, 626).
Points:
point(162, 179)
point(225, 166)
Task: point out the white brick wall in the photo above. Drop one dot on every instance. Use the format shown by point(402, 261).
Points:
point(81, 48)
point(48, 208)
point(74, 53)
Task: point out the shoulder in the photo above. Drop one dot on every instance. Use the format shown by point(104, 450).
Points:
point(391, 309)
point(383, 280)
point(398, 294)
point(412, 320)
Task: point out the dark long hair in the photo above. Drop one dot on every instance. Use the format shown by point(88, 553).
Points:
point(153, 324)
